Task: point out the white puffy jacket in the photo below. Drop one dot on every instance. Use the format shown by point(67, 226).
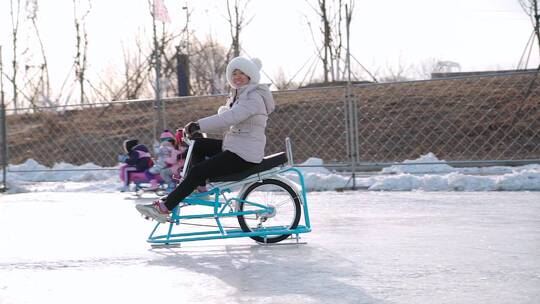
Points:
point(244, 123)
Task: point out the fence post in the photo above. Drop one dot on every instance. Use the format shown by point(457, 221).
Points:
point(352, 131)
point(352, 117)
point(3, 137)
point(159, 105)
point(3, 125)
point(288, 149)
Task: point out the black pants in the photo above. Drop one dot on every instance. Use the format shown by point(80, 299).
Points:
point(207, 161)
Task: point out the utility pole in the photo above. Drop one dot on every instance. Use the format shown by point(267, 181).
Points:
point(158, 103)
point(182, 60)
point(185, 7)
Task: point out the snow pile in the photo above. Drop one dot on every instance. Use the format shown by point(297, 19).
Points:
point(520, 180)
point(428, 163)
point(32, 171)
point(33, 176)
point(319, 178)
point(419, 174)
point(426, 173)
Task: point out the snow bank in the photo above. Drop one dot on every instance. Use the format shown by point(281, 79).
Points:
point(424, 164)
point(33, 176)
point(515, 181)
point(320, 178)
point(59, 172)
point(426, 173)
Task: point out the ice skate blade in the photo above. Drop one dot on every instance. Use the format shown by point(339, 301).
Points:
point(161, 246)
point(291, 240)
point(281, 243)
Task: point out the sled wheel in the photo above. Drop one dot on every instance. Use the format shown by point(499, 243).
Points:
point(270, 193)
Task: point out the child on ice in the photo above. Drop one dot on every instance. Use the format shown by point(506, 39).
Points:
point(137, 158)
point(167, 162)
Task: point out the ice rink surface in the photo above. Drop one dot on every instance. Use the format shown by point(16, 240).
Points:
point(366, 247)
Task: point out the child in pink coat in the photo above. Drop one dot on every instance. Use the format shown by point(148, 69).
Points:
point(167, 162)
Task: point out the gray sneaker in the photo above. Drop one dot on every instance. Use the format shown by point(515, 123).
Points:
point(152, 211)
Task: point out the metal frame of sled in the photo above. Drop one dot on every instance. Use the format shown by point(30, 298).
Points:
point(222, 207)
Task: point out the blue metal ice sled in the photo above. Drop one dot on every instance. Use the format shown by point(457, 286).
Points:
point(262, 203)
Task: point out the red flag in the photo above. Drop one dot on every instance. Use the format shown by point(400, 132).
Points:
point(160, 11)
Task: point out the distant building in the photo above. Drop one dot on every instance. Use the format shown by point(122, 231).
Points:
point(447, 67)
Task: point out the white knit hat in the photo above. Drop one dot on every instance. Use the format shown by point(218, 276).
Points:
point(249, 67)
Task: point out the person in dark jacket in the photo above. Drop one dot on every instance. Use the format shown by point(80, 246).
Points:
point(137, 158)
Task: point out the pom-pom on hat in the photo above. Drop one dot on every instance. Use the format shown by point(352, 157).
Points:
point(249, 67)
point(129, 144)
point(166, 135)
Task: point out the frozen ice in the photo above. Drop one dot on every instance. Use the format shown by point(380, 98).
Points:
point(365, 247)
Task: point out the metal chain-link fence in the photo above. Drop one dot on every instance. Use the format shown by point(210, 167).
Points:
point(480, 118)
point(3, 145)
point(483, 118)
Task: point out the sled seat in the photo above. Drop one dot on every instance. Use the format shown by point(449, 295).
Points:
point(267, 163)
point(136, 177)
point(140, 177)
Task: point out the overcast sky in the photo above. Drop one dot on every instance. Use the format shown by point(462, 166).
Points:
point(477, 34)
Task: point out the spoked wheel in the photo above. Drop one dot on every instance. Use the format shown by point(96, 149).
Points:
point(285, 205)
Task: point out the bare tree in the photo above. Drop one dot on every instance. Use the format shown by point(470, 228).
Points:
point(136, 79)
point(327, 37)
point(132, 82)
point(237, 22)
point(137, 69)
point(207, 59)
point(209, 62)
point(401, 72)
point(15, 9)
point(40, 90)
point(283, 82)
point(168, 50)
point(334, 17)
point(79, 16)
point(531, 9)
point(166, 46)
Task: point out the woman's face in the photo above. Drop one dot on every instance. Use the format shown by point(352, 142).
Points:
point(239, 78)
